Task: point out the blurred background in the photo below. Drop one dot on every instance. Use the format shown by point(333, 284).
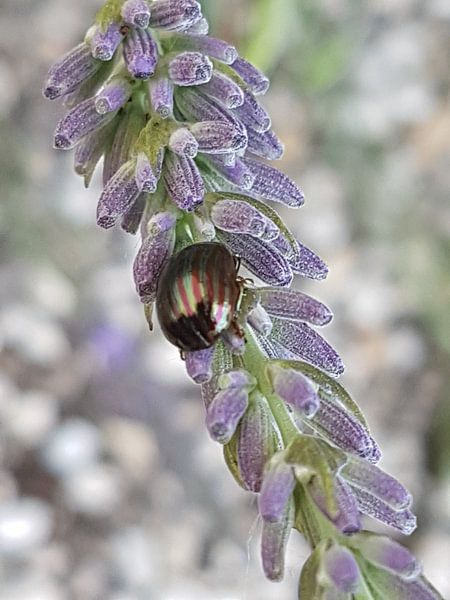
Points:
point(110, 487)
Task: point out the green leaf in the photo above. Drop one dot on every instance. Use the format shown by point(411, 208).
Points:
point(109, 12)
point(230, 456)
point(153, 140)
point(308, 588)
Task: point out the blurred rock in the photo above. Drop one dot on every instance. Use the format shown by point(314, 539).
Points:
point(25, 524)
point(94, 490)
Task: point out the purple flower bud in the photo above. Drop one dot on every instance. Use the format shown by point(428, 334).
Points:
point(274, 540)
point(260, 257)
point(79, 122)
point(146, 179)
point(199, 28)
point(113, 96)
point(389, 555)
point(132, 218)
point(258, 440)
point(257, 81)
point(218, 137)
point(347, 518)
point(238, 378)
point(260, 320)
point(239, 175)
point(277, 487)
point(225, 90)
point(237, 216)
point(233, 341)
point(274, 185)
point(89, 151)
point(293, 387)
point(136, 12)
point(105, 42)
point(183, 181)
point(140, 53)
point(182, 142)
point(118, 196)
point(212, 47)
point(70, 71)
point(156, 249)
point(339, 569)
point(252, 114)
point(190, 68)
point(294, 306)
point(225, 412)
point(309, 264)
point(161, 96)
point(199, 365)
point(336, 424)
point(264, 144)
point(308, 345)
point(360, 473)
point(204, 228)
point(175, 15)
point(196, 106)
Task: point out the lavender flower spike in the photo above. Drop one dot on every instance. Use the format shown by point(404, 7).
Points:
point(257, 81)
point(146, 179)
point(237, 216)
point(294, 306)
point(182, 142)
point(225, 90)
point(161, 96)
point(218, 137)
point(274, 539)
point(199, 365)
point(136, 12)
point(79, 122)
point(295, 389)
point(277, 487)
point(175, 15)
point(118, 196)
point(156, 249)
point(339, 570)
point(190, 68)
point(225, 412)
point(104, 43)
point(140, 53)
point(113, 96)
point(183, 181)
point(70, 71)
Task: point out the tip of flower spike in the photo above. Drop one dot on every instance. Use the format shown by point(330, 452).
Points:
point(51, 92)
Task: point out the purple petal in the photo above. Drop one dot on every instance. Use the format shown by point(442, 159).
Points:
point(347, 518)
point(339, 566)
point(183, 181)
point(239, 175)
point(89, 151)
point(113, 96)
point(161, 96)
point(140, 53)
point(307, 344)
point(274, 540)
point(199, 365)
point(369, 477)
point(341, 428)
point(79, 122)
point(257, 81)
point(118, 196)
point(132, 218)
point(70, 71)
point(190, 68)
point(237, 216)
point(218, 137)
point(225, 90)
point(265, 144)
point(260, 320)
point(183, 142)
point(294, 306)
point(252, 114)
point(237, 378)
point(390, 555)
point(146, 179)
point(104, 43)
point(292, 387)
point(260, 257)
point(175, 15)
point(155, 251)
point(136, 12)
point(225, 412)
point(271, 184)
point(277, 487)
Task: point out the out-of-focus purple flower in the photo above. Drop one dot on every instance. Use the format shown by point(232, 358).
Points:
point(295, 389)
point(224, 413)
point(277, 487)
point(340, 570)
point(225, 90)
point(258, 440)
point(190, 68)
point(146, 179)
point(294, 306)
point(218, 137)
point(257, 81)
point(175, 15)
point(306, 344)
point(260, 320)
point(140, 53)
point(183, 142)
point(112, 345)
point(199, 365)
point(70, 71)
point(104, 42)
point(79, 122)
point(347, 518)
point(240, 217)
point(388, 554)
point(136, 12)
point(273, 185)
point(161, 96)
point(118, 196)
point(274, 539)
point(183, 181)
point(252, 114)
point(114, 95)
point(155, 251)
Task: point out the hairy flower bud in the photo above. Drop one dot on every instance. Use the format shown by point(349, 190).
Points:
point(113, 95)
point(273, 185)
point(277, 487)
point(239, 217)
point(104, 43)
point(78, 123)
point(225, 412)
point(257, 81)
point(199, 365)
point(140, 53)
point(70, 71)
point(238, 378)
point(294, 389)
point(339, 570)
point(183, 181)
point(274, 538)
point(218, 137)
point(252, 114)
point(225, 90)
point(183, 142)
point(146, 179)
point(212, 47)
point(190, 68)
point(388, 554)
point(260, 320)
point(175, 15)
point(161, 96)
point(294, 306)
point(136, 13)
